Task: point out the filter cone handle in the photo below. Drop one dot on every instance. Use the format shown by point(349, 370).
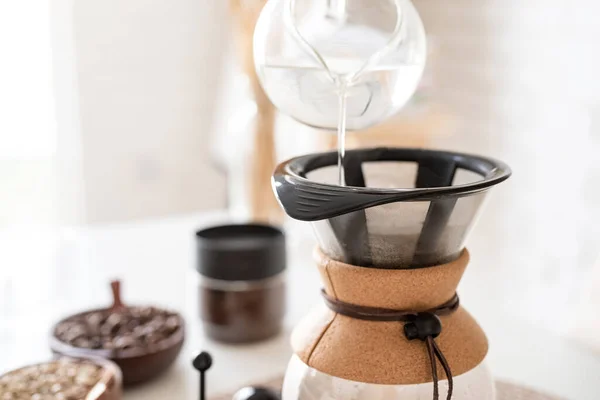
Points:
point(308, 200)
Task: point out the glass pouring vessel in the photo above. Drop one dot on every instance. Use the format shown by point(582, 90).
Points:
point(311, 54)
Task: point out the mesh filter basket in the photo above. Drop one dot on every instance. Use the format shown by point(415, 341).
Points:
point(401, 208)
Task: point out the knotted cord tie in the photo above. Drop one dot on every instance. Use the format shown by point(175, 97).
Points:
point(425, 326)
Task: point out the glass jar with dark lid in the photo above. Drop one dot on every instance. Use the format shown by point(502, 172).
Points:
point(241, 290)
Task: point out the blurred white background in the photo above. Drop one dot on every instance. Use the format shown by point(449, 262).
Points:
point(107, 108)
point(109, 111)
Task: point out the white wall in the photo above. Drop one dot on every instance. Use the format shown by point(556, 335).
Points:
point(522, 78)
point(27, 124)
point(146, 73)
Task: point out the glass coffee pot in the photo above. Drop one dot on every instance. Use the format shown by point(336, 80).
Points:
point(392, 239)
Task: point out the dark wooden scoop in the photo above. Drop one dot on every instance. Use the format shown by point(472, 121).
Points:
point(116, 292)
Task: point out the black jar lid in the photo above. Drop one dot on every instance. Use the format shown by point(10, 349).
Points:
point(244, 252)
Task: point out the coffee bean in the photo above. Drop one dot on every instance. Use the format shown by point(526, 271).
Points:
point(148, 329)
point(172, 324)
point(75, 332)
point(82, 342)
point(75, 393)
point(56, 388)
point(130, 325)
point(125, 342)
point(112, 324)
point(153, 338)
point(95, 320)
point(95, 342)
point(64, 327)
point(139, 332)
point(56, 380)
point(133, 327)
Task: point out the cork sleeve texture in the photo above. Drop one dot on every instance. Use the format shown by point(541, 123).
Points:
point(378, 352)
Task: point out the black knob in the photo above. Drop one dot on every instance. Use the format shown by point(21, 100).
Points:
point(423, 326)
point(202, 362)
point(256, 393)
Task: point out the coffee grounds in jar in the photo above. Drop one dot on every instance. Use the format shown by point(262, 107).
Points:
point(121, 329)
point(243, 316)
point(56, 380)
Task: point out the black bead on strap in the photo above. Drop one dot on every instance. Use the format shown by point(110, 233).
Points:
point(426, 327)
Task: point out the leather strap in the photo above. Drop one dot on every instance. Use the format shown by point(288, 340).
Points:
point(423, 325)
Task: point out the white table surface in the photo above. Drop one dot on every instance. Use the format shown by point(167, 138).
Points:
point(46, 273)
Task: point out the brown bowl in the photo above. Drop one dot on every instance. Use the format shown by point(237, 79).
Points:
point(138, 365)
point(110, 386)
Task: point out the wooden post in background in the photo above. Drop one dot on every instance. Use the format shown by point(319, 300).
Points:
point(263, 205)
